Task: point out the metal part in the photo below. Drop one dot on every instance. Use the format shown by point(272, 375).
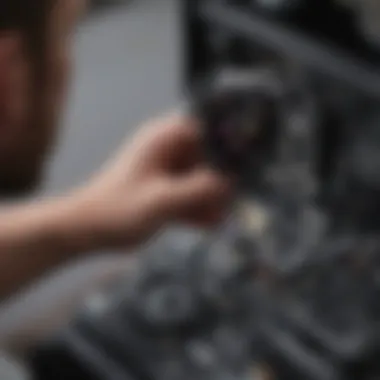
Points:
point(288, 287)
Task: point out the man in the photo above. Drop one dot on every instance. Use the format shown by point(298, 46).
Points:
point(156, 179)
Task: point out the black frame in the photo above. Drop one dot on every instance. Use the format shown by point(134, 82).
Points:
point(72, 354)
point(333, 62)
point(196, 55)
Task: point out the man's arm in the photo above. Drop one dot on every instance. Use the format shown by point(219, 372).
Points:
point(38, 236)
point(156, 179)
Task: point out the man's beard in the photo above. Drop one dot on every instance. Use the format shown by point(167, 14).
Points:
point(21, 184)
point(25, 175)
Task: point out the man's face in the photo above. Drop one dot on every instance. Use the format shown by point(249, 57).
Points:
point(29, 113)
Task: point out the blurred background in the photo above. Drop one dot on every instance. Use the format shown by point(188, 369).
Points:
point(127, 57)
point(127, 70)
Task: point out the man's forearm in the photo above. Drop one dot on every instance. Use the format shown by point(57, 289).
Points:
point(36, 237)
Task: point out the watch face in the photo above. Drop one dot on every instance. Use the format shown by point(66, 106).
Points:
point(239, 116)
point(239, 128)
point(262, 130)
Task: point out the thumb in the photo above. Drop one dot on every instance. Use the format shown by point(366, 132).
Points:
point(198, 188)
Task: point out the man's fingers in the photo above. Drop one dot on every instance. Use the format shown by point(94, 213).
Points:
point(207, 218)
point(170, 144)
point(199, 189)
point(180, 134)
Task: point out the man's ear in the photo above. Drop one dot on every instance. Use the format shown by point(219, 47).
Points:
point(12, 77)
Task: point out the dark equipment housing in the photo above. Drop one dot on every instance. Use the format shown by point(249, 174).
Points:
point(289, 92)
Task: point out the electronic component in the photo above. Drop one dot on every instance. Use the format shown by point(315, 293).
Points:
point(288, 97)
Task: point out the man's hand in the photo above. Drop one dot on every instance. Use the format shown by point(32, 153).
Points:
point(157, 178)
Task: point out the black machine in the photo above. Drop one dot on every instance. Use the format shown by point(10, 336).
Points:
point(289, 95)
